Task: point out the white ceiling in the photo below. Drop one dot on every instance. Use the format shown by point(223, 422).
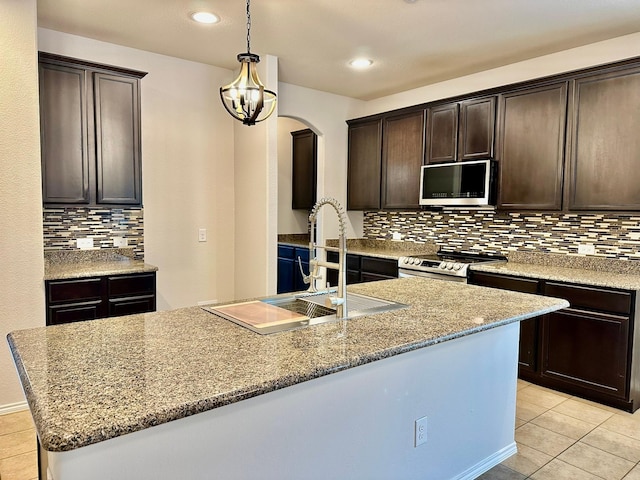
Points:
point(412, 44)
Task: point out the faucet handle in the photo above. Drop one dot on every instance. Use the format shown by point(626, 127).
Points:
point(305, 278)
point(333, 301)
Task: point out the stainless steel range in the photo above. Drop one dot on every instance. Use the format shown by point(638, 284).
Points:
point(445, 265)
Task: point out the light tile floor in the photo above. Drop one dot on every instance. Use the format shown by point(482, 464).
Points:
point(18, 457)
point(559, 437)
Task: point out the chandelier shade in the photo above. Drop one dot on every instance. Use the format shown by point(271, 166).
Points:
point(246, 99)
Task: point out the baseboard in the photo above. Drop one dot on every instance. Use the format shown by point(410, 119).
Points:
point(488, 463)
point(13, 407)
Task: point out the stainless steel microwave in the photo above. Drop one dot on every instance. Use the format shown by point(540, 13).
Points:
point(458, 184)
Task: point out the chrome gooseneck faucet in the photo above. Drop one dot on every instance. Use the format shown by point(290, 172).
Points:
point(339, 301)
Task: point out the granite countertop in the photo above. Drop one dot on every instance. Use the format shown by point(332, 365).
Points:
point(595, 271)
point(390, 249)
point(86, 382)
point(67, 264)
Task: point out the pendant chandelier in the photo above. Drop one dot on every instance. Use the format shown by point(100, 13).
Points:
point(245, 98)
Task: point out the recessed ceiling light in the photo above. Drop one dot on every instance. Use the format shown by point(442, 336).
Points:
point(361, 63)
point(205, 17)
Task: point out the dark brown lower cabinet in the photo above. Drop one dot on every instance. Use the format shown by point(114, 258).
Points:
point(589, 350)
point(362, 268)
point(75, 300)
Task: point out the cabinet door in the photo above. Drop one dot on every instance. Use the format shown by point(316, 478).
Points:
point(304, 160)
point(477, 129)
point(528, 348)
point(586, 349)
point(285, 268)
point(605, 143)
point(442, 134)
point(117, 126)
point(364, 165)
point(63, 134)
point(402, 157)
point(285, 275)
point(531, 148)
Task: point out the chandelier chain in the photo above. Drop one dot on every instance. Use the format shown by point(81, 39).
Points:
point(248, 27)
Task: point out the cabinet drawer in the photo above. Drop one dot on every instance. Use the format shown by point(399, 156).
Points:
point(73, 290)
point(286, 251)
point(131, 285)
point(353, 260)
point(303, 253)
point(504, 282)
point(591, 297)
point(374, 277)
point(380, 266)
point(75, 312)
point(131, 305)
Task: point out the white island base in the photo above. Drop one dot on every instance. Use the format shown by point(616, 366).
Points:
point(354, 424)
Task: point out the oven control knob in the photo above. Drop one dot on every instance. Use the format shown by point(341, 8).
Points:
point(457, 266)
point(405, 260)
point(449, 266)
point(443, 265)
point(417, 261)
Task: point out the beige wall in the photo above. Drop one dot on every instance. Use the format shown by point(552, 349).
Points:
point(325, 114)
point(289, 221)
point(187, 165)
point(256, 197)
point(21, 257)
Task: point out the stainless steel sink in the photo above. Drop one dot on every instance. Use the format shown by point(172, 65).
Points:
point(314, 307)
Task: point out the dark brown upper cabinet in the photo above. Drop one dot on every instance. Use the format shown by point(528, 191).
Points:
point(604, 168)
point(364, 164)
point(90, 133)
point(304, 155)
point(531, 147)
point(442, 128)
point(461, 131)
point(63, 133)
point(402, 157)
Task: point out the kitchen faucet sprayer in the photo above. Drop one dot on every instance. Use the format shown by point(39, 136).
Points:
point(340, 301)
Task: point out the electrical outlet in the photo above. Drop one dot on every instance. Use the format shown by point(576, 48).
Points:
point(84, 243)
point(420, 431)
point(586, 249)
point(202, 235)
point(120, 242)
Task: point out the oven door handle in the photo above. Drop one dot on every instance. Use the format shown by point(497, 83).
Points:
point(405, 273)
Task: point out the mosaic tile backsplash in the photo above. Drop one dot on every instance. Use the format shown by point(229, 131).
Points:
point(63, 226)
point(612, 235)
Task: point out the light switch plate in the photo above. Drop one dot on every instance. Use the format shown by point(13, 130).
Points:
point(202, 235)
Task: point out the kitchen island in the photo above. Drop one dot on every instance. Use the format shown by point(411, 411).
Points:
point(187, 394)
